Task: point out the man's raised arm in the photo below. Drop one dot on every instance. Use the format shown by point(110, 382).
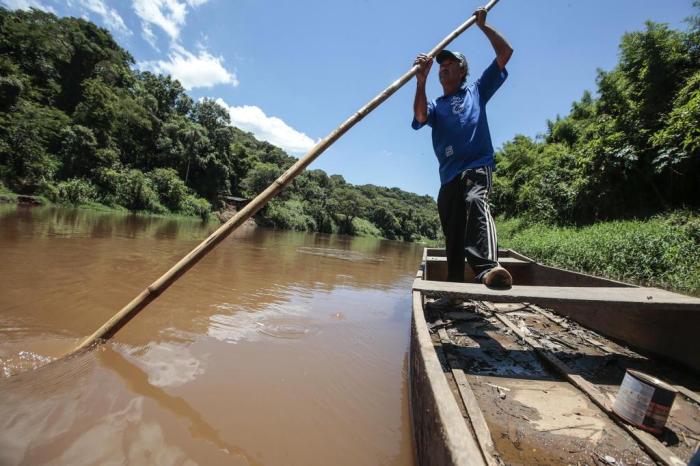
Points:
point(499, 43)
point(420, 103)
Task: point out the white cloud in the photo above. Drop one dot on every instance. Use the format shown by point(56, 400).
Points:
point(149, 37)
point(169, 15)
point(201, 70)
point(110, 16)
point(26, 4)
point(268, 128)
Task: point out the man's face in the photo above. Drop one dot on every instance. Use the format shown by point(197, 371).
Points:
point(451, 74)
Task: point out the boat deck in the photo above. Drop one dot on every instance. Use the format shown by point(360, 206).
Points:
point(533, 414)
point(529, 375)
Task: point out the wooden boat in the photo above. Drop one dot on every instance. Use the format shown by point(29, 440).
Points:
point(529, 375)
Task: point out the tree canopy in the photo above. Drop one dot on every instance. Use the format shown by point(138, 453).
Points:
point(79, 124)
point(631, 151)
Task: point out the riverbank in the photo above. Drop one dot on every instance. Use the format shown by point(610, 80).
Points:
point(663, 251)
point(9, 197)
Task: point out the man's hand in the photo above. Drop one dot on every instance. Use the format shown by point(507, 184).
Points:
point(425, 63)
point(480, 14)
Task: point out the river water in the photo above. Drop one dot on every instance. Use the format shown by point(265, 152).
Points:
point(278, 348)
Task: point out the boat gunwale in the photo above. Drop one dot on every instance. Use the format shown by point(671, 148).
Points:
point(440, 430)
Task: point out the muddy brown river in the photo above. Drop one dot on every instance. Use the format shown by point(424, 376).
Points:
point(278, 348)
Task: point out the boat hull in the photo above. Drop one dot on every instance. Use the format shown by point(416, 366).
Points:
point(646, 319)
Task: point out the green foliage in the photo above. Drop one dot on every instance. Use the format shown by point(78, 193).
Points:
point(663, 251)
point(136, 192)
point(79, 125)
point(678, 142)
point(346, 203)
point(10, 89)
point(363, 227)
point(632, 151)
point(129, 188)
point(260, 177)
point(193, 205)
point(28, 138)
point(74, 191)
point(289, 215)
point(171, 190)
point(72, 108)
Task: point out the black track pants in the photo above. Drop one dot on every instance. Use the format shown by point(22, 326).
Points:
point(467, 223)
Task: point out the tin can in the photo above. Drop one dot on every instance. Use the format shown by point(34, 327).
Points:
point(644, 401)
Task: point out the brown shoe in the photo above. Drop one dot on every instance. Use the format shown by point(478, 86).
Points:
point(497, 277)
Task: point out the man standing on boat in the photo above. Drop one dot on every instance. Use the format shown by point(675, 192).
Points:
point(463, 147)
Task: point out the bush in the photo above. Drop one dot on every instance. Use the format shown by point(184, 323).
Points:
point(193, 205)
point(171, 190)
point(74, 191)
point(288, 215)
point(135, 192)
point(663, 251)
point(363, 227)
point(129, 188)
point(78, 151)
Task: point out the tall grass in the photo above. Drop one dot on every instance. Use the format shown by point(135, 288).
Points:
point(663, 251)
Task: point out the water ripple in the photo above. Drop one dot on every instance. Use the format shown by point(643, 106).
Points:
point(289, 321)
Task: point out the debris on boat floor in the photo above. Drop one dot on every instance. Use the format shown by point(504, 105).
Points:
point(534, 415)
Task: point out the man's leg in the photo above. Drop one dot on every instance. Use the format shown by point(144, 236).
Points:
point(453, 220)
point(481, 241)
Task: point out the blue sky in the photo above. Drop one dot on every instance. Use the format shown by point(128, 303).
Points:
point(291, 71)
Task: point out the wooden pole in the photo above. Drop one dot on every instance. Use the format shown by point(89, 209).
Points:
point(156, 288)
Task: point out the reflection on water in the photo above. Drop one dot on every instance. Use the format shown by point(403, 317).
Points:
point(277, 348)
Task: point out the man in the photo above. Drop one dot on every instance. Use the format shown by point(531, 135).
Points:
point(463, 147)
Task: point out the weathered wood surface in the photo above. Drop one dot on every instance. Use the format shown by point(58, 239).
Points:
point(502, 260)
point(595, 295)
point(652, 445)
point(476, 417)
point(688, 394)
point(648, 319)
point(440, 431)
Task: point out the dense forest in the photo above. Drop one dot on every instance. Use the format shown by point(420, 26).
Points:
point(79, 125)
point(631, 152)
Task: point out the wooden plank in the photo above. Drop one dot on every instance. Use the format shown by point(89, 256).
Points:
point(554, 294)
point(442, 333)
point(440, 431)
point(501, 260)
point(652, 445)
point(600, 345)
point(559, 321)
point(476, 416)
point(688, 393)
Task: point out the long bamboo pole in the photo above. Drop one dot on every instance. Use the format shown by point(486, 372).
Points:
point(156, 288)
